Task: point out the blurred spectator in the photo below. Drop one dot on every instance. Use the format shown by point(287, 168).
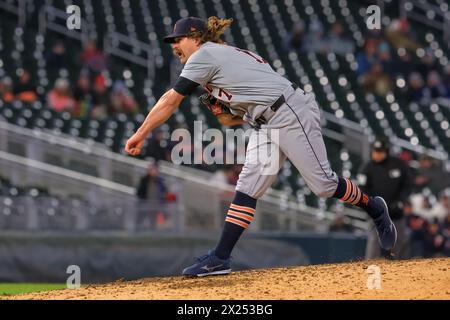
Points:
point(366, 58)
point(421, 205)
point(157, 146)
point(314, 41)
point(385, 58)
point(294, 39)
point(403, 66)
point(446, 80)
point(339, 224)
point(377, 81)
point(6, 90)
point(337, 42)
point(83, 96)
point(431, 174)
point(152, 186)
point(441, 208)
point(406, 156)
point(434, 240)
point(387, 177)
point(60, 97)
point(445, 227)
point(435, 88)
point(93, 58)
point(56, 58)
point(446, 224)
point(100, 98)
point(153, 190)
point(415, 87)
point(25, 90)
point(401, 36)
point(236, 171)
point(224, 175)
point(228, 174)
point(416, 233)
point(427, 63)
point(122, 100)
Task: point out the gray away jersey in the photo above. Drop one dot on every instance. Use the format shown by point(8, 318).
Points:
point(239, 77)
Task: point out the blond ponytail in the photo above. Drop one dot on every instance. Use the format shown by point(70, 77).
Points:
point(216, 27)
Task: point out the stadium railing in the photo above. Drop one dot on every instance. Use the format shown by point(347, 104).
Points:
point(68, 166)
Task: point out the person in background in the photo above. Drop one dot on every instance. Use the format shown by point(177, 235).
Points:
point(153, 191)
point(441, 208)
point(83, 96)
point(122, 100)
point(389, 177)
point(294, 40)
point(152, 186)
point(100, 98)
point(157, 146)
point(446, 76)
point(415, 87)
point(434, 241)
point(314, 39)
point(435, 88)
point(337, 42)
point(367, 58)
point(385, 58)
point(93, 58)
point(56, 59)
point(60, 98)
point(377, 81)
point(402, 66)
point(400, 35)
point(6, 90)
point(25, 90)
point(416, 231)
point(426, 64)
point(431, 175)
point(445, 227)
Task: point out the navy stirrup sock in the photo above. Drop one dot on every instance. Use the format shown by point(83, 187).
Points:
point(239, 216)
point(347, 191)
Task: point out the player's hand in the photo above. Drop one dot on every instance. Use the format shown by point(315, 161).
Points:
point(134, 144)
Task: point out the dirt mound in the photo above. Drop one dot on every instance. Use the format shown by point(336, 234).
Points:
point(411, 279)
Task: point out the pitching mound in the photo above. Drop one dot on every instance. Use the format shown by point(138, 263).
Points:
point(412, 279)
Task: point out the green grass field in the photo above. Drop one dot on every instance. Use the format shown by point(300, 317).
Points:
point(18, 288)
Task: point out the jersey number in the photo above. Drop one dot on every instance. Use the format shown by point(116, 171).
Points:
point(258, 59)
point(221, 92)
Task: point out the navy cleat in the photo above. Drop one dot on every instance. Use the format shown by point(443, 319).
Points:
point(208, 265)
point(387, 233)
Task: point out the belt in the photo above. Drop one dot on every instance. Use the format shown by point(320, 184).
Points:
point(281, 99)
point(275, 106)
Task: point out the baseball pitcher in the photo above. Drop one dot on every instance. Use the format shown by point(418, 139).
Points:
point(242, 87)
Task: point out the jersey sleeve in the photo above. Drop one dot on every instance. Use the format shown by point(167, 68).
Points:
point(200, 68)
point(185, 86)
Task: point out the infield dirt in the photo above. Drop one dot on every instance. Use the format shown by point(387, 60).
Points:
point(408, 279)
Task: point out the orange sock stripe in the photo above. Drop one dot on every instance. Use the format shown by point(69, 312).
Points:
point(348, 191)
point(247, 209)
point(358, 198)
point(247, 214)
point(365, 199)
point(352, 196)
point(238, 222)
point(240, 215)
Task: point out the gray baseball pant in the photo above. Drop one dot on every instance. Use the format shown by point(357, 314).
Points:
point(292, 132)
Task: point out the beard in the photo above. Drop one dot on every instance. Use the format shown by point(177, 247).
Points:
point(178, 53)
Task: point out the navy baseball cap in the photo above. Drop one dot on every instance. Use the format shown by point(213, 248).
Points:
point(185, 26)
point(381, 144)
